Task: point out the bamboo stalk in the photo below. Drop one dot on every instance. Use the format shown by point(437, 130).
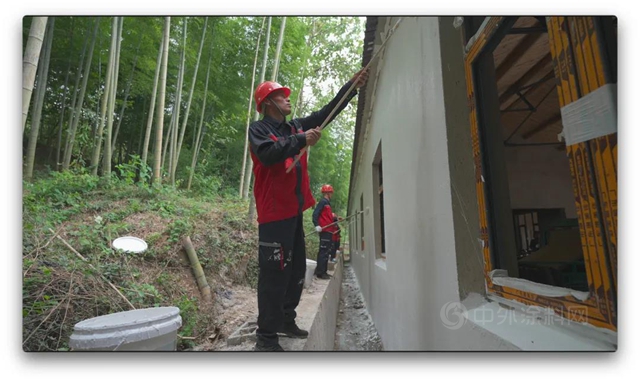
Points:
point(304, 149)
point(197, 268)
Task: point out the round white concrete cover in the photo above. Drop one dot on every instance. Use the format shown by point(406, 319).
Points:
point(125, 327)
point(130, 244)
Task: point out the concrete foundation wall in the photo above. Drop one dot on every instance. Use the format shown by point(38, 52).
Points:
point(323, 330)
point(406, 293)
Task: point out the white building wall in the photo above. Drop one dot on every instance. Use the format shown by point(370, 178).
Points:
point(405, 293)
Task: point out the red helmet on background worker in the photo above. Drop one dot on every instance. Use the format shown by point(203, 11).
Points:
point(326, 188)
point(264, 89)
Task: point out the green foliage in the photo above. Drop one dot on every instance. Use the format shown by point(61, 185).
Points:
point(135, 169)
point(319, 52)
point(143, 294)
point(178, 228)
point(188, 311)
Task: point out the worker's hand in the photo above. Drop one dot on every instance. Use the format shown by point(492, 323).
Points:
point(360, 78)
point(313, 135)
point(318, 229)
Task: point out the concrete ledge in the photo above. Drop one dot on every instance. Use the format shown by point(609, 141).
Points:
point(536, 332)
point(323, 330)
point(317, 312)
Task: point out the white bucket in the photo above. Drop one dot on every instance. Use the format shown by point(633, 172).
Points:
point(152, 329)
point(308, 276)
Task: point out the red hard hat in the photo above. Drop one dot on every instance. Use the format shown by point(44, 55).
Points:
point(264, 89)
point(327, 188)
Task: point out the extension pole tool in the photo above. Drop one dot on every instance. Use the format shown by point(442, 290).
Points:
point(334, 223)
point(304, 149)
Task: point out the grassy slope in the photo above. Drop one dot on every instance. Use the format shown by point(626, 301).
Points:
point(60, 290)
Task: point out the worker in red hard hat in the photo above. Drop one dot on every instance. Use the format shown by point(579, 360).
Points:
point(281, 198)
point(322, 218)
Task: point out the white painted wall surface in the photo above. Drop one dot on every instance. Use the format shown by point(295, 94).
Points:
point(405, 294)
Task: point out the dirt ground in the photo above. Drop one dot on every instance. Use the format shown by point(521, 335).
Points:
point(234, 305)
point(355, 330)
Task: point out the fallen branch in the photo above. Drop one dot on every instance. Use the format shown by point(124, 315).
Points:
point(66, 309)
point(37, 254)
point(92, 267)
point(43, 321)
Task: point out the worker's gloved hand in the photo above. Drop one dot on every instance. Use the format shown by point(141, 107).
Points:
point(312, 136)
point(318, 229)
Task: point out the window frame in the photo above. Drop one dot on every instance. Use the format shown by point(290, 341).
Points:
point(362, 246)
point(378, 204)
point(599, 309)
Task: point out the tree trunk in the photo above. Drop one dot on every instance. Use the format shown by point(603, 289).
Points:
point(30, 63)
point(246, 136)
point(152, 105)
point(157, 179)
point(94, 128)
point(196, 149)
point(106, 159)
point(265, 58)
point(173, 159)
point(126, 95)
point(142, 129)
point(274, 73)
point(298, 106)
point(97, 142)
point(168, 139)
point(40, 92)
point(78, 108)
point(65, 94)
point(193, 85)
point(74, 100)
point(252, 206)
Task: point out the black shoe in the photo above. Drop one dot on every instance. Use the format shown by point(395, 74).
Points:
point(267, 347)
point(324, 276)
point(292, 330)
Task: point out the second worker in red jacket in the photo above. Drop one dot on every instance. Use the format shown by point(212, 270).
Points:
point(322, 217)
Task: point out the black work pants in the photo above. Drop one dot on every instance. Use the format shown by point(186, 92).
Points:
point(283, 263)
point(334, 248)
point(326, 242)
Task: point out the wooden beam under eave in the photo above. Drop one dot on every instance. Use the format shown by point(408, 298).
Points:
point(527, 42)
point(526, 78)
point(548, 76)
point(543, 125)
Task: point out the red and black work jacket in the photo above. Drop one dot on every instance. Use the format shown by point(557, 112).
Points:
point(323, 216)
point(336, 234)
point(274, 145)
